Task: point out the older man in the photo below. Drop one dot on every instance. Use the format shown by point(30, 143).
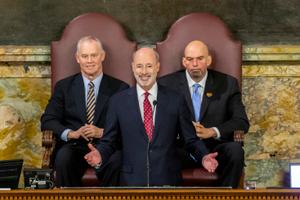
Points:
point(77, 110)
point(147, 118)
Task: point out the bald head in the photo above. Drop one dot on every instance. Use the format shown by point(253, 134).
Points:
point(198, 45)
point(196, 59)
point(146, 51)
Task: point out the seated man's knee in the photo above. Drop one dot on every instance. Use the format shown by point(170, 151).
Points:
point(63, 157)
point(235, 151)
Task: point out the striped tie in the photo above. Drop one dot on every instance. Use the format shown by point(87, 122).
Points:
point(91, 102)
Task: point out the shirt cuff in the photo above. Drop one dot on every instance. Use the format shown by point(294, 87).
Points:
point(98, 166)
point(64, 135)
point(218, 133)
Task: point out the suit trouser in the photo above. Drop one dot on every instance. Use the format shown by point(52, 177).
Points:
point(70, 166)
point(109, 173)
point(231, 163)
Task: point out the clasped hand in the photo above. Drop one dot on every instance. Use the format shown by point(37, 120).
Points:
point(203, 132)
point(88, 131)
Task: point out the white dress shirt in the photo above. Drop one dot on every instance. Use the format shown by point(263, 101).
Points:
point(202, 83)
point(152, 98)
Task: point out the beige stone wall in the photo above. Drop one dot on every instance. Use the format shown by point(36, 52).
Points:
point(24, 93)
point(271, 93)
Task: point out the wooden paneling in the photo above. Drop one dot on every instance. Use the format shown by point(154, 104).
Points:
point(157, 193)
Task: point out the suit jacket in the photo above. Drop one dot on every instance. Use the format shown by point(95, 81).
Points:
point(144, 162)
point(221, 107)
point(67, 107)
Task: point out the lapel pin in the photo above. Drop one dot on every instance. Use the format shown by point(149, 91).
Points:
point(209, 94)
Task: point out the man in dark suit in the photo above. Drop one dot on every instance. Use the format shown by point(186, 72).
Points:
point(76, 113)
point(147, 118)
point(216, 107)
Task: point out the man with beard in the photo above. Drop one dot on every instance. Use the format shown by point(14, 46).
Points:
point(214, 100)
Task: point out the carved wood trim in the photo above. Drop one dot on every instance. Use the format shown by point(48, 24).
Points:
point(157, 193)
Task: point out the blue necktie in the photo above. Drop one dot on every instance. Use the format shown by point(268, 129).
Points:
point(196, 100)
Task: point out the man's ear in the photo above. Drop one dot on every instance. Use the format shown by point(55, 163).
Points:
point(183, 60)
point(103, 56)
point(77, 57)
point(158, 66)
point(209, 60)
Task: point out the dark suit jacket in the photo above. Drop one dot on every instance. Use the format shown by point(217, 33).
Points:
point(222, 105)
point(67, 107)
point(124, 120)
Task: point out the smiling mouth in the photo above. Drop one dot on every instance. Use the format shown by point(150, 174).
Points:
point(144, 78)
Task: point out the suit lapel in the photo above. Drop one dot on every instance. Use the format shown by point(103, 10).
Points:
point(207, 94)
point(78, 90)
point(136, 113)
point(186, 92)
point(103, 97)
point(161, 105)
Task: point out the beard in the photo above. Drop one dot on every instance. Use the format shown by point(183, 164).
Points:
point(197, 74)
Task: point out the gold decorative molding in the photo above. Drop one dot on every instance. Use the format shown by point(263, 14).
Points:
point(267, 53)
point(13, 53)
point(25, 71)
point(271, 61)
point(149, 193)
point(271, 70)
point(250, 53)
point(25, 61)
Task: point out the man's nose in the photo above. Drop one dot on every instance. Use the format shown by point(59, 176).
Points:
point(90, 59)
point(144, 70)
point(195, 62)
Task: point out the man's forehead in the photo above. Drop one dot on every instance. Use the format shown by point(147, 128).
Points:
point(195, 52)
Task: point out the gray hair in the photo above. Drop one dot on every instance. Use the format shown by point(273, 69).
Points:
point(149, 47)
point(90, 39)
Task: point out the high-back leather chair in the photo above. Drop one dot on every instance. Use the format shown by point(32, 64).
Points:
point(225, 50)
point(117, 63)
point(118, 48)
point(226, 55)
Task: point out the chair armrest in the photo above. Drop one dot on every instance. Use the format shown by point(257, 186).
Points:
point(48, 144)
point(238, 136)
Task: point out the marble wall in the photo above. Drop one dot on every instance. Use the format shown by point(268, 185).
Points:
point(24, 93)
point(271, 93)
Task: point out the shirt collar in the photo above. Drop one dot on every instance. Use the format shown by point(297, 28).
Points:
point(96, 81)
point(152, 91)
point(191, 82)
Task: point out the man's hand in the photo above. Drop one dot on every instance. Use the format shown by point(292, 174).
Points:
point(77, 134)
point(93, 158)
point(203, 132)
point(209, 162)
point(91, 131)
point(87, 132)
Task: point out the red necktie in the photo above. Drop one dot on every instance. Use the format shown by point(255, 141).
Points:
point(148, 116)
